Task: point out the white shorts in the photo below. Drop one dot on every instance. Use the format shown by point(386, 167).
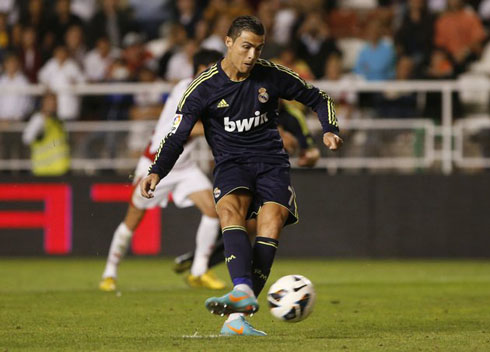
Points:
point(180, 182)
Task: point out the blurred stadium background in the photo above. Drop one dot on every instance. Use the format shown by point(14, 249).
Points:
point(410, 80)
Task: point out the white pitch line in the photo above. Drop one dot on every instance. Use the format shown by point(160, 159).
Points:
point(197, 336)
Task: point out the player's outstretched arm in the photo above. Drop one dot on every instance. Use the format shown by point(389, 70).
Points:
point(148, 185)
point(332, 141)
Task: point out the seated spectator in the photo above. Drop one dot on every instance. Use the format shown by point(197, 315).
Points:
point(97, 61)
point(75, 45)
point(188, 14)
point(96, 66)
point(62, 20)
point(215, 41)
point(461, 33)
point(147, 105)
point(111, 21)
point(30, 55)
point(58, 73)
point(50, 152)
point(266, 11)
point(149, 15)
point(180, 63)
point(376, 60)
point(135, 54)
point(314, 43)
point(345, 101)
point(13, 107)
point(414, 38)
point(35, 15)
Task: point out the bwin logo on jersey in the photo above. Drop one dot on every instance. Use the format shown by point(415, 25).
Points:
point(245, 124)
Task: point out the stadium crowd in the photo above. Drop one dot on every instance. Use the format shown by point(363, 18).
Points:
point(63, 42)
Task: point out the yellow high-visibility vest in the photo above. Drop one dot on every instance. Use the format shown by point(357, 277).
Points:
point(50, 156)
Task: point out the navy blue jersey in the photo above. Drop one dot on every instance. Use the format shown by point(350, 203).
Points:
point(240, 118)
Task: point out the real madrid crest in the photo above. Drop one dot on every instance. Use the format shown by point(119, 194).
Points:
point(263, 95)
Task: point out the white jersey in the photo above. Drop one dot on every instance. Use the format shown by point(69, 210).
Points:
point(165, 122)
point(185, 178)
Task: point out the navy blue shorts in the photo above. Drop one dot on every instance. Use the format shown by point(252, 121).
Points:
point(266, 182)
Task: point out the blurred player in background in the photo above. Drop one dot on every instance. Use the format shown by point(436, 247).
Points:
point(188, 185)
point(237, 101)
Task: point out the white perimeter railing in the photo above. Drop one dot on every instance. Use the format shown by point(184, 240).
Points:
point(449, 152)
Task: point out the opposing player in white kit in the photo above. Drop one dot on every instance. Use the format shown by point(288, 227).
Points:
point(188, 185)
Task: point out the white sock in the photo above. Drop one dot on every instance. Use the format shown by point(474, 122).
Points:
point(206, 235)
point(119, 245)
point(234, 316)
point(245, 288)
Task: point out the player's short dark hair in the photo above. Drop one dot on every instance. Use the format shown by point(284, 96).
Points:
point(245, 23)
point(205, 57)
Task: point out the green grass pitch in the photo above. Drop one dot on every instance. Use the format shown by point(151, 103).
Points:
point(362, 305)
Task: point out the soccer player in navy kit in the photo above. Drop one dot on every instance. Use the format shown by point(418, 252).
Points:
point(237, 101)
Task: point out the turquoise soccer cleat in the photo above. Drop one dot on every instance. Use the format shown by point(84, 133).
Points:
point(240, 327)
point(233, 302)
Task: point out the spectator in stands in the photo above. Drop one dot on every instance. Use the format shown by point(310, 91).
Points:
point(13, 106)
point(62, 20)
point(98, 60)
point(30, 55)
point(111, 21)
point(115, 108)
point(215, 40)
point(147, 105)
point(461, 33)
point(180, 64)
point(75, 45)
point(266, 11)
point(314, 42)
point(188, 15)
point(58, 73)
point(345, 101)
point(135, 54)
point(34, 15)
point(149, 15)
point(284, 20)
point(173, 42)
point(96, 67)
point(376, 60)
point(414, 38)
point(45, 134)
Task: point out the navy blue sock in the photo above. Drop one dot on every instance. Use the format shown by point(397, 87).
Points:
point(238, 254)
point(263, 257)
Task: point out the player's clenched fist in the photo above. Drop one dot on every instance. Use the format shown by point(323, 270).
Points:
point(332, 141)
point(148, 185)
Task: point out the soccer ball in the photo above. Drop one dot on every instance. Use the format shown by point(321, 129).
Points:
point(291, 298)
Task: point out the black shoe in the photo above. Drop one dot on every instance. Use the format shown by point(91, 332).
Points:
point(183, 262)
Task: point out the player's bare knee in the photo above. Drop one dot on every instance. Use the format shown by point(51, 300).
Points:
point(209, 210)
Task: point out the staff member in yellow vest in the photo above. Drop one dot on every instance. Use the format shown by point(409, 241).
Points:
point(45, 134)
